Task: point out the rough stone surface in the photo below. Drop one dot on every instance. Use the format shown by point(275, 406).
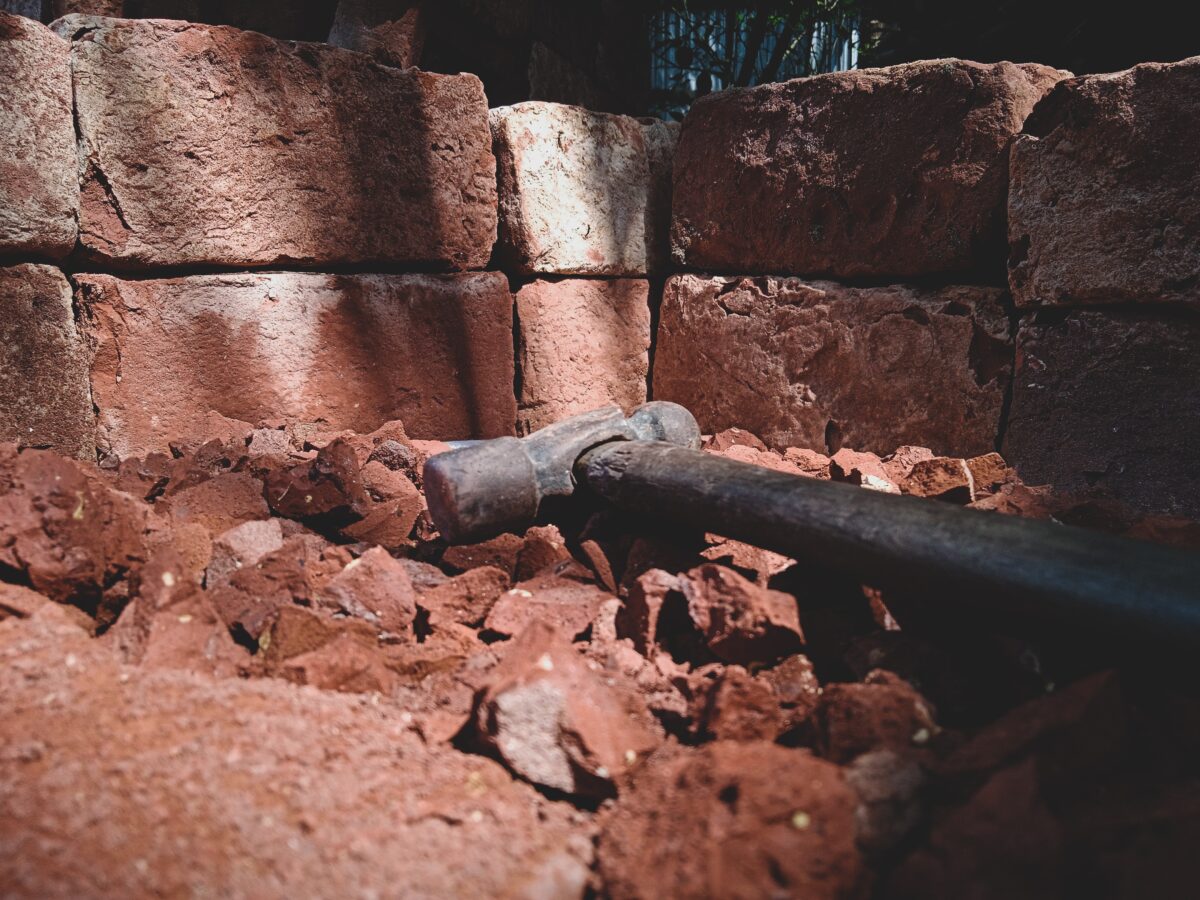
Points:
point(1109, 401)
point(45, 400)
point(821, 365)
point(733, 820)
point(575, 190)
point(1102, 207)
point(392, 31)
point(208, 145)
point(39, 193)
point(892, 172)
point(274, 790)
point(355, 350)
point(583, 344)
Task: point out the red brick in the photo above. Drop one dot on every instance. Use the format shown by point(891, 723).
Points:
point(1102, 207)
point(581, 192)
point(39, 194)
point(1110, 402)
point(583, 344)
point(878, 172)
point(821, 365)
point(356, 350)
point(45, 400)
point(208, 145)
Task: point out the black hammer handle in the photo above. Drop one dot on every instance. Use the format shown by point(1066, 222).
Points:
point(1025, 567)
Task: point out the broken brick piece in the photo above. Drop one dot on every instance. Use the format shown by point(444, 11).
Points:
point(375, 588)
point(882, 713)
point(346, 663)
point(941, 478)
point(559, 724)
point(988, 471)
point(330, 485)
point(741, 707)
point(740, 621)
point(219, 503)
point(61, 527)
point(467, 598)
point(295, 631)
point(809, 462)
point(796, 686)
point(864, 469)
point(543, 546)
point(900, 463)
point(500, 552)
point(638, 617)
point(732, 819)
point(568, 605)
point(733, 437)
point(890, 802)
point(241, 546)
point(295, 573)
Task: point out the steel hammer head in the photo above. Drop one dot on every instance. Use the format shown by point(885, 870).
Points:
point(485, 489)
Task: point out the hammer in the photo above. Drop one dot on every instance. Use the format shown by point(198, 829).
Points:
point(650, 464)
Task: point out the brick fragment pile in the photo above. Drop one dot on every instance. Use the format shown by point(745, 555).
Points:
point(254, 643)
point(237, 659)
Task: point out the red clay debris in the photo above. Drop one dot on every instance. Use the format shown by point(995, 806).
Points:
point(593, 708)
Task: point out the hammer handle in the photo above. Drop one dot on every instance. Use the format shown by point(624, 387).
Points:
point(1025, 567)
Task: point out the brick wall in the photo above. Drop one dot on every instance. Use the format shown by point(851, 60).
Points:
point(943, 253)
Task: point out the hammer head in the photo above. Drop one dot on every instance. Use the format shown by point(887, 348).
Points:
point(485, 489)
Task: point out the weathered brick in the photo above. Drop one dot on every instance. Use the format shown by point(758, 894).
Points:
point(208, 145)
point(583, 344)
point(821, 365)
point(44, 395)
point(580, 191)
point(891, 173)
point(356, 350)
point(1109, 401)
point(1104, 205)
point(39, 193)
